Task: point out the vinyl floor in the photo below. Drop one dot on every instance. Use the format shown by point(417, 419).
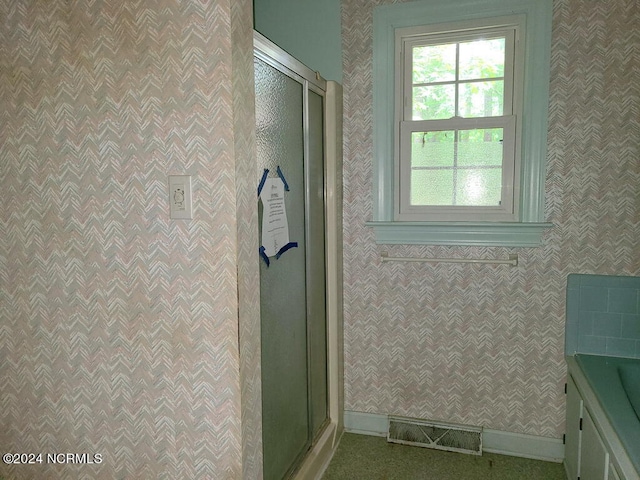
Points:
point(373, 458)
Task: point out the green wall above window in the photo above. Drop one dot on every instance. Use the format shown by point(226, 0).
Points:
point(307, 29)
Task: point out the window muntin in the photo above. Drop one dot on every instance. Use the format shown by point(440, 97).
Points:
point(457, 150)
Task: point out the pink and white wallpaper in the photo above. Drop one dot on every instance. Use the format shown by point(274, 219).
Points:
point(119, 327)
point(483, 344)
point(121, 332)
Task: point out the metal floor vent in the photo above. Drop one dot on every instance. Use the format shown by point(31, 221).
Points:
point(421, 433)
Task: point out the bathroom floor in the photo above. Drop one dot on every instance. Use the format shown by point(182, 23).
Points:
point(372, 458)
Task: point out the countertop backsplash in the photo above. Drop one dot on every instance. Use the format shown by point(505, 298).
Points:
point(603, 315)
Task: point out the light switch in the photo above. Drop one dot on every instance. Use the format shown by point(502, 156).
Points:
point(180, 196)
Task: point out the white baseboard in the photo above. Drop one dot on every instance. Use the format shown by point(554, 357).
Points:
point(522, 445)
point(493, 441)
point(366, 423)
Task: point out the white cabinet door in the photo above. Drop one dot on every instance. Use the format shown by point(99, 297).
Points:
point(572, 429)
point(594, 458)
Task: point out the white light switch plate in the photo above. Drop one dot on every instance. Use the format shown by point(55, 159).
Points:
point(180, 196)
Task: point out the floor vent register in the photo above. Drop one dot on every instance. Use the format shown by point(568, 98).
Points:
point(441, 436)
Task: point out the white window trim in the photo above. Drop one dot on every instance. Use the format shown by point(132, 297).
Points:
point(529, 227)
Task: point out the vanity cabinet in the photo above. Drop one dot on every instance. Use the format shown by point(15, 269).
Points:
point(573, 433)
point(594, 458)
point(586, 456)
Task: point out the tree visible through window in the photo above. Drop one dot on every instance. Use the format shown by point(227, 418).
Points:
point(465, 79)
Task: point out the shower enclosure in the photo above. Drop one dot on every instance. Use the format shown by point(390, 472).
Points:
point(291, 109)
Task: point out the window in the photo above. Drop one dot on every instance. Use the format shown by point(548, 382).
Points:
point(460, 109)
point(456, 154)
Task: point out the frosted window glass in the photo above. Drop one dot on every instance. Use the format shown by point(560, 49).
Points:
point(478, 187)
point(457, 168)
point(432, 187)
point(480, 147)
point(432, 149)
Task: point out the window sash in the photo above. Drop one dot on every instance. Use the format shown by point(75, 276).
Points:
point(507, 209)
point(430, 39)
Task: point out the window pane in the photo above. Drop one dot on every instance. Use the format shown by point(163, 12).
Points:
point(431, 187)
point(462, 168)
point(481, 99)
point(432, 149)
point(482, 59)
point(435, 63)
point(478, 148)
point(479, 187)
point(433, 103)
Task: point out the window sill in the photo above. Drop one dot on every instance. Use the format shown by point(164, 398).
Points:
point(487, 234)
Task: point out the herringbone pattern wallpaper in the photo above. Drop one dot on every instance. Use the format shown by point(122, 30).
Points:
point(478, 344)
point(119, 327)
point(247, 226)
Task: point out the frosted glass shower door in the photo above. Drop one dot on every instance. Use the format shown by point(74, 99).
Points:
point(289, 132)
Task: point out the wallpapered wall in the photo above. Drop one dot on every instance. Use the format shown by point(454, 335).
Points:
point(247, 224)
point(119, 327)
point(478, 344)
